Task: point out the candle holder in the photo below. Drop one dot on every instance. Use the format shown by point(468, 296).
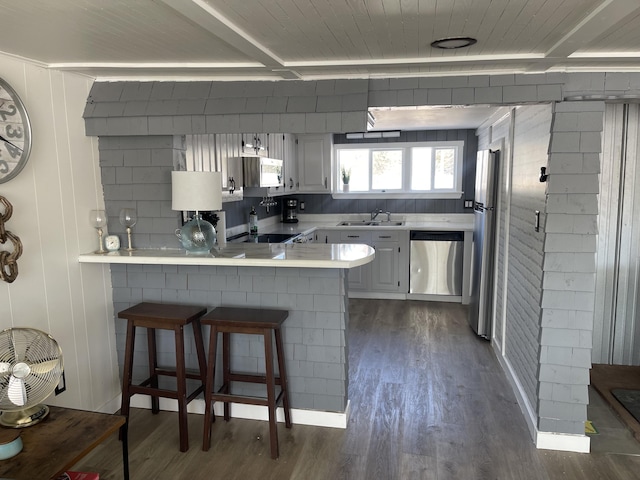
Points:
point(98, 220)
point(128, 219)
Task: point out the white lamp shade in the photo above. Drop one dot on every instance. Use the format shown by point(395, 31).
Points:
point(196, 191)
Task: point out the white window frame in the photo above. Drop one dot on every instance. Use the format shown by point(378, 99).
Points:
point(405, 192)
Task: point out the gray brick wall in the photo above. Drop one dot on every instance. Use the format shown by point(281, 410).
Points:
point(136, 173)
point(568, 286)
point(314, 332)
point(178, 108)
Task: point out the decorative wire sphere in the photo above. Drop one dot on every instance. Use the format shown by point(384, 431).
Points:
point(30, 369)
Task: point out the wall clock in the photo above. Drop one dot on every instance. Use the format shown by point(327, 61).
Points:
point(15, 133)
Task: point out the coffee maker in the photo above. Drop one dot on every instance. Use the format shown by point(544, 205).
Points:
point(290, 210)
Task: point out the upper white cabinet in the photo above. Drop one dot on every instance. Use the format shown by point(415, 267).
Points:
point(290, 163)
point(314, 163)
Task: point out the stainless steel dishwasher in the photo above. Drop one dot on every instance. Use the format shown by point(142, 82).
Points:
point(435, 265)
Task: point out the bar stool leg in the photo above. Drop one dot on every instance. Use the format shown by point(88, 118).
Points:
point(153, 366)
point(283, 378)
point(128, 367)
point(226, 371)
point(202, 356)
point(209, 416)
point(181, 388)
point(271, 393)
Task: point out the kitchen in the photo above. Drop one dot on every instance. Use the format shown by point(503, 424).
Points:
point(115, 146)
point(147, 154)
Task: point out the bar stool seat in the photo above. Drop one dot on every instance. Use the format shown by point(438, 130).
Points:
point(267, 323)
point(164, 316)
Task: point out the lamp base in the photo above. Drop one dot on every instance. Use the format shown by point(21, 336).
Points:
point(197, 235)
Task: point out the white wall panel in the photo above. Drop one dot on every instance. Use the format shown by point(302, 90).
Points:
point(51, 199)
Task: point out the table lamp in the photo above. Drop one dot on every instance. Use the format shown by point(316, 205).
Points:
point(196, 191)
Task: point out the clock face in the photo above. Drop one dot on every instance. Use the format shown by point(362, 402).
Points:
point(15, 133)
point(112, 243)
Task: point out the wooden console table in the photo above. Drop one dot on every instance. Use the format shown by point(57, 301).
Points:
point(57, 443)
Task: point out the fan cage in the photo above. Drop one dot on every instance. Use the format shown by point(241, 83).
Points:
point(41, 353)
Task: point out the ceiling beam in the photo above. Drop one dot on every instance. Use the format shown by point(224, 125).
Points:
point(203, 14)
point(604, 17)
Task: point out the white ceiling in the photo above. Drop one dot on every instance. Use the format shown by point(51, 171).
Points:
point(316, 39)
point(312, 39)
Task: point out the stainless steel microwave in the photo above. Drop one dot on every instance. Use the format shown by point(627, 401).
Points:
point(261, 171)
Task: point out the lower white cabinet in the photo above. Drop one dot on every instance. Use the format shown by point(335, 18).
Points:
point(389, 270)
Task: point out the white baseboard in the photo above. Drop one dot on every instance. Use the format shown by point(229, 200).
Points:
point(565, 442)
point(434, 298)
point(314, 418)
point(377, 295)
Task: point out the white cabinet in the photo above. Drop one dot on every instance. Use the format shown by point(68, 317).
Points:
point(389, 271)
point(386, 269)
point(359, 277)
point(290, 157)
point(327, 236)
point(314, 163)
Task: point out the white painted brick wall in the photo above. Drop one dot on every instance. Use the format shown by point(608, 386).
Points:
point(569, 264)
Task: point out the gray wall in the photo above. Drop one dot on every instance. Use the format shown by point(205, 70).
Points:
point(315, 343)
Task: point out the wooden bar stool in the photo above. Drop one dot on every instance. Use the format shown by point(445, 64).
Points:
point(164, 316)
point(227, 320)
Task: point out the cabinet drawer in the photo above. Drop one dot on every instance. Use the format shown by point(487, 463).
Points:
point(355, 237)
point(392, 236)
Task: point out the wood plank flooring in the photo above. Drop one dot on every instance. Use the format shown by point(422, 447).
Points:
point(428, 401)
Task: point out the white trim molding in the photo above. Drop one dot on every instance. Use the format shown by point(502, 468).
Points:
point(315, 418)
point(543, 440)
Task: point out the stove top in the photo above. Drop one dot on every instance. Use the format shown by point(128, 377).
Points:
point(264, 238)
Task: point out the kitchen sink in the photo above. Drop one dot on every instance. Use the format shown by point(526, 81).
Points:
point(367, 223)
point(386, 224)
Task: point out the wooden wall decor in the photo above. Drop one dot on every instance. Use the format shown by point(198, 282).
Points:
point(8, 258)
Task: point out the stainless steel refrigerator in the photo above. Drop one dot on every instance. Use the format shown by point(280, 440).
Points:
point(481, 302)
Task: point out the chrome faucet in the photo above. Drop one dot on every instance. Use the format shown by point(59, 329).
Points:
point(375, 213)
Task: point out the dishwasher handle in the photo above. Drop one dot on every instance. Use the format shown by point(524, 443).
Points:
point(436, 236)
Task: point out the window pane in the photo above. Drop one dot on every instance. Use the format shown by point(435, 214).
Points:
point(387, 170)
point(357, 161)
point(444, 168)
point(421, 168)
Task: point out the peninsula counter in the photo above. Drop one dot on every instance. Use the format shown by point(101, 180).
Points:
point(307, 280)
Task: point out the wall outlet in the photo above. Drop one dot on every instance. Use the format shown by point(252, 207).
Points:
point(468, 204)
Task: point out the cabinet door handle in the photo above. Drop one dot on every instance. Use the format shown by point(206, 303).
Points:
point(384, 236)
point(325, 182)
point(353, 236)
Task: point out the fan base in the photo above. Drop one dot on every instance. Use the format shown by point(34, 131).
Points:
point(24, 418)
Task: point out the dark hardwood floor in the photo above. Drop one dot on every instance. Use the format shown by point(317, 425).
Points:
point(428, 401)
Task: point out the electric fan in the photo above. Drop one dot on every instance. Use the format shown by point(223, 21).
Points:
point(30, 369)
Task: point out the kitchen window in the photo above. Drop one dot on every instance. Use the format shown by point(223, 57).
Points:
point(424, 169)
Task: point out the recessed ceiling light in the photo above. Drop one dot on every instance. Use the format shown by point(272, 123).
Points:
point(453, 42)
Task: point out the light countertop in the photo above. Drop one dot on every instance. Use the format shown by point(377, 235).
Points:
point(309, 223)
point(304, 255)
